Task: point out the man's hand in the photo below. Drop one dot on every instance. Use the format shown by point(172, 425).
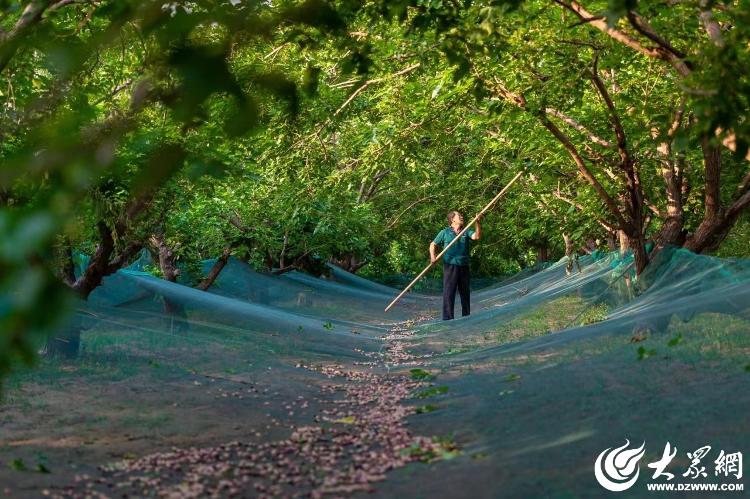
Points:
point(478, 226)
point(433, 259)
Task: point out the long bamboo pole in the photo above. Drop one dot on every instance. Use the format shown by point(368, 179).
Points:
point(447, 246)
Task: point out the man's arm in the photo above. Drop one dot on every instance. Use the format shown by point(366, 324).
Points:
point(433, 247)
point(477, 229)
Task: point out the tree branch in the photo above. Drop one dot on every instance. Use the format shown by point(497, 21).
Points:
point(216, 269)
point(411, 205)
point(294, 264)
point(613, 116)
point(371, 82)
point(520, 101)
point(585, 172)
point(624, 38)
point(729, 140)
point(119, 88)
point(712, 27)
point(644, 28)
point(11, 40)
point(236, 220)
point(98, 264)
point(63, 3)
point(68, 270)
point(663, 53)
point(582, 209)
point(124, 256)
point(744, 185)
point(573, 123)
point(654, 209)
point(738, 206)
point(712, 164)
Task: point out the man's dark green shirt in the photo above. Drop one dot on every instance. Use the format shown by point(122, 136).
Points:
point(458, 254)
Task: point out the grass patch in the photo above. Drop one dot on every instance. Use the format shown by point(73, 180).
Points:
point(439, 448)
point(19, 464)
point(539, 319)
point(425, 409)
point(421, 375)
point(432, 391)
point(645, 353)
point(593, 314)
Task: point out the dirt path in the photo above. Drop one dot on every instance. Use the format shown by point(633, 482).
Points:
point(358, 433)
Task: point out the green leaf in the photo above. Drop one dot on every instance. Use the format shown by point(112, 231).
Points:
point(431, 392)
point(18, 465)
point(421, 375)
point(345, 420)
point(424, 409)
point(643, 353)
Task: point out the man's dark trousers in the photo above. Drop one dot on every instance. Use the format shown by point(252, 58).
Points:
point(455, 276)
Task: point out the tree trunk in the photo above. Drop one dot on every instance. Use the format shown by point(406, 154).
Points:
point(166, 258)
point(637, 245)
point(624, 242)
point(103, 262)
point(68, 272)
point(710, 234)
point(9, 42)
point(542, 254)
point(675, 184)
point(718, 220)
point(635, 238)
point(174, 310)
point(282, 262)
point(672, 231)
point(571, 255)
point(216, 269)
point(612, 240)
point(349, 262)
point(310, 265)
point(714, 227)
point(97, 268)
point(65, 343)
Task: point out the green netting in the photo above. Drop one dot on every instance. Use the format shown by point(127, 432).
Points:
point(291, 385)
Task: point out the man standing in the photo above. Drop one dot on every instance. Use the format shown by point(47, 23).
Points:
point(455, 263)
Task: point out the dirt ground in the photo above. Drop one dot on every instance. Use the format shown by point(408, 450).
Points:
point(56, 430)
point(135, 426)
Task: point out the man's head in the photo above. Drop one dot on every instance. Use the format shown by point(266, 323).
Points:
point(455, 219)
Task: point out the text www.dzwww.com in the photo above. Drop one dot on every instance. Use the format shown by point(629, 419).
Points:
point(726, 487)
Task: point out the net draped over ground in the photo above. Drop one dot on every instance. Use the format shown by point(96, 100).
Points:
point(548, 371)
